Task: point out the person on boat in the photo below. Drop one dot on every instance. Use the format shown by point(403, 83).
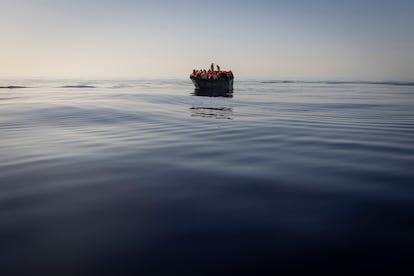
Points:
point(212, 67)
point(218, 68)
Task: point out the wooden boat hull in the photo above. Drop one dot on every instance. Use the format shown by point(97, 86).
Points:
point(218, 84)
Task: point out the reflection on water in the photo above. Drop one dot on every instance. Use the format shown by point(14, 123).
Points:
point(210, 110)
point(213, 93)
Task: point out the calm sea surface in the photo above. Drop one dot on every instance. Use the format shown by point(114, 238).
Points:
point(150, 177)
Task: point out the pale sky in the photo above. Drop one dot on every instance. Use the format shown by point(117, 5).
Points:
point(291, 39)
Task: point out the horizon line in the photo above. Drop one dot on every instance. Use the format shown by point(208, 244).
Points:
point(263, 79)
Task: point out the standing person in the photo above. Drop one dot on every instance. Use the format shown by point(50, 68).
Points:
point(212, 67)
point(218, 68)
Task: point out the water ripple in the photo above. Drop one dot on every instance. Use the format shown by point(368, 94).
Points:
point(143, 172)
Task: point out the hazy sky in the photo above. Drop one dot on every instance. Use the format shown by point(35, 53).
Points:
point(292, 39)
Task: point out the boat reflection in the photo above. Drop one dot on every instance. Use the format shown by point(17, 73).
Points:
point(213, 93)
point(212, 109)
point(212, 112)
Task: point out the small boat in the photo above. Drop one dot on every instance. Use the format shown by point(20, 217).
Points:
point(212, 79)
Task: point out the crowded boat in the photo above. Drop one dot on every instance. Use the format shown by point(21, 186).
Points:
point(212, 73)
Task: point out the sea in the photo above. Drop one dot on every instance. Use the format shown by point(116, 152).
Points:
point(152, 177)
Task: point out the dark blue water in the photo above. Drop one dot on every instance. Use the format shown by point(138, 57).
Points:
point(149, 177)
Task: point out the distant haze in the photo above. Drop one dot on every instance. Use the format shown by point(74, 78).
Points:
point(341, 40)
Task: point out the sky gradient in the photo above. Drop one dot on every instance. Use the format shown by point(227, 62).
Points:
point(309, 40)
